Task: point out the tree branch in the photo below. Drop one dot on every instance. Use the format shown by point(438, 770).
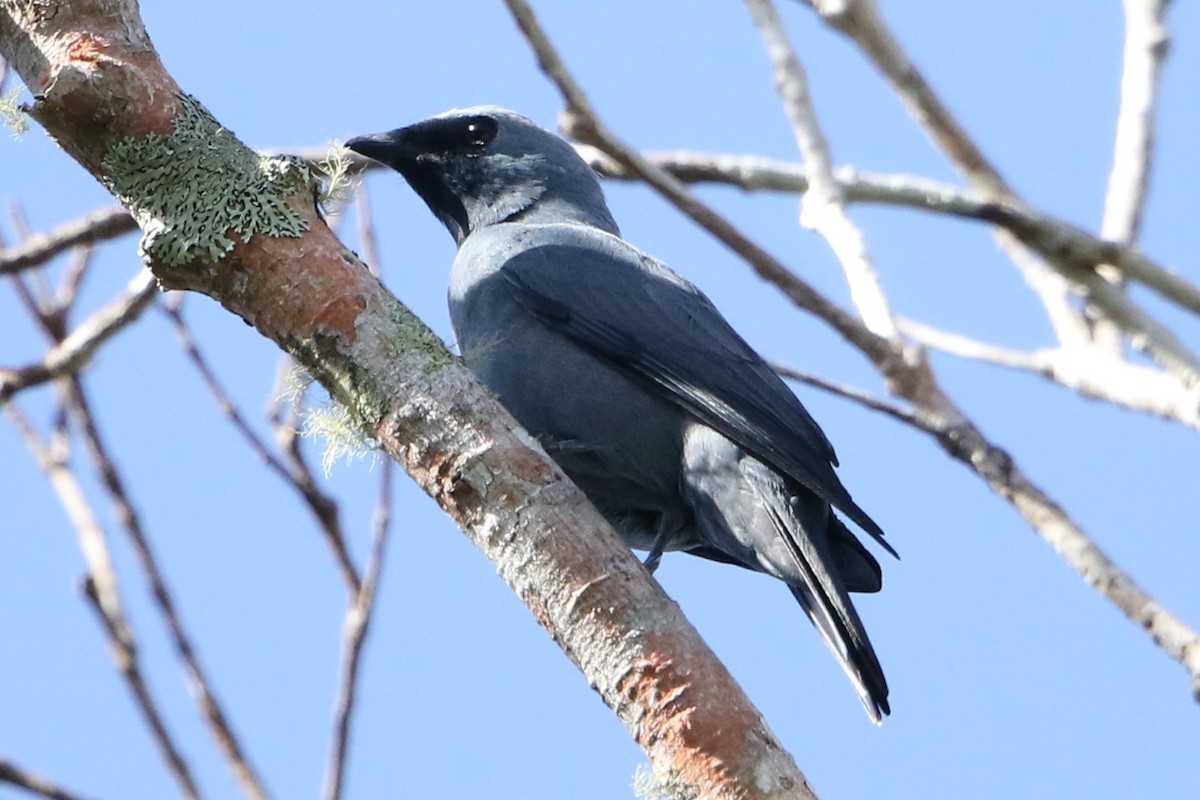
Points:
point(1146, 45)
point(1092, 372)
point(362, 602)
point(72, 353)
point(859, 20)
point(201, 685)
point(823, 208)
point(301, 288)
point(355, 628)
point(100, 587)
point(107, 223)
point(13, 775)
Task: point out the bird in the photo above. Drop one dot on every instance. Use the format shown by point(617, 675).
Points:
point(674, 427)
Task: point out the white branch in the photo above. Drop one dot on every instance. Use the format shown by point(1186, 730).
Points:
point(823, 208)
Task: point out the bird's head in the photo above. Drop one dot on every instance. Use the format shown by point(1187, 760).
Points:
point(481, 166)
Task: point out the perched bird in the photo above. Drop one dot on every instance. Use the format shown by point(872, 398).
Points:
point(677, 431)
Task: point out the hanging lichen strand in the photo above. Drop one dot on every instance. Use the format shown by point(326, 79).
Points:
point(190, 190)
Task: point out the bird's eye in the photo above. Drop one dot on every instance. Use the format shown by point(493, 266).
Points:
point(478, 132)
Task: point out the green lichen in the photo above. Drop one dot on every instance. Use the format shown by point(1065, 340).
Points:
point(191, 190)
point(344, 438)
point(15, 119)
point(416, 335)
point(650, 784)
point(339, 184)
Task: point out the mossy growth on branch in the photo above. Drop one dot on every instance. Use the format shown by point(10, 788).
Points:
point(188, 191)
point(650, 784)
point(15, 119)
point(340, 183)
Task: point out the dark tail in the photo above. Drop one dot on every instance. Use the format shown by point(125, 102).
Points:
point(822, 594)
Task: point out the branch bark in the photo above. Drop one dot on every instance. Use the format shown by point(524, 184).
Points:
point(103, 95)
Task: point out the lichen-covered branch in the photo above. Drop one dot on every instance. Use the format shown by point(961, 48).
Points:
point(99, 85)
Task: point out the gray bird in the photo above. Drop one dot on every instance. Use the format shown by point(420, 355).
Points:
point(677, 431)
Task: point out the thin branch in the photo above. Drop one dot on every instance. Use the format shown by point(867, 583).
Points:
point(1146, 45)
point(72, 281)
point(823, 208)
point(1054, 238)
point(101, 587)
point(1145, 332)
point(74, 352)
point(323, 507)
point(1092, 372)
point(860, 21)
point(355, 628)
point(964, 441)
point(39, 248)
point(859, 396)
point(366, 229)
point(10, 773)
point(358, 615)
point(201, 685)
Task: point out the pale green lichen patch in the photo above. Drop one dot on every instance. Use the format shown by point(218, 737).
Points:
point(650, 784)
point(344, 438)
point(339, 184)
point(15, 119)
point(415, 334)
point(188, 191)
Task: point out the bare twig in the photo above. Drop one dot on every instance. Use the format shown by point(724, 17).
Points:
point(362, 604)
point(201, 685)
point(10, 773)
point(855, 395)
point(1092, 372)
point(860, 21)
point(366, 229)
point(39, 248)
point(323, 507)
point(73, 352)
point(1052, 237)
point(77, 270)
point(355, 629)
point(823, 208)
point(1146, 45)
point(101, 587)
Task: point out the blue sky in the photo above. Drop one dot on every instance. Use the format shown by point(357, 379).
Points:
point(1010, 677)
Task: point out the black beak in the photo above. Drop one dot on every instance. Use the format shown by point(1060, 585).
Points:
point(387, 148)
